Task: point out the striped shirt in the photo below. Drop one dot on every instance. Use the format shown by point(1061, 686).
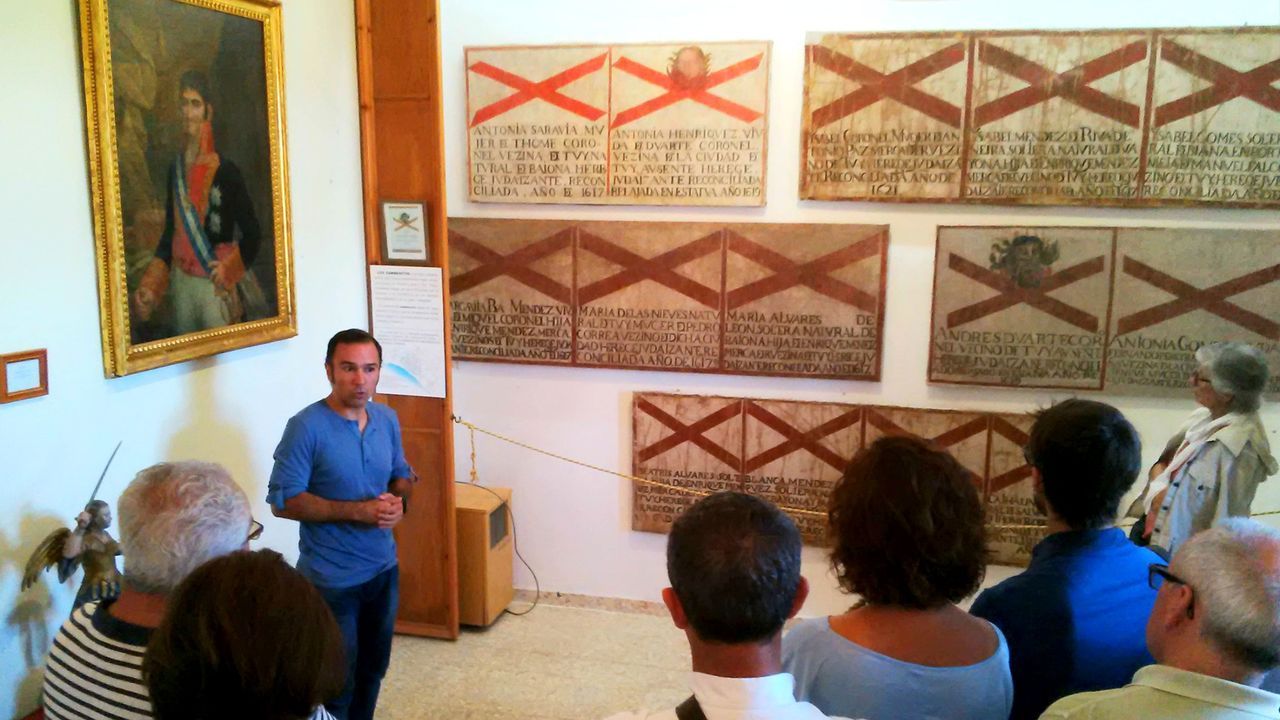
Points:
point(94, 669)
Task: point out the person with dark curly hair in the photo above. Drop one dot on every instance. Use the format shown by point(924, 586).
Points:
point(907, 529)
point(228, 648)
point(1075, 618)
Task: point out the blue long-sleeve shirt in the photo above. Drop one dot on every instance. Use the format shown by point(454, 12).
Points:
point(1076, 619)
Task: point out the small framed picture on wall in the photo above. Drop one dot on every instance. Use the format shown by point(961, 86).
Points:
point(404, 232)
point(24, 375)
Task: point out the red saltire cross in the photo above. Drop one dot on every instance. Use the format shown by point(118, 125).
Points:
point(515, 265)
point(693, 432)
point(1071, 85)
point(546, 90)
point(809, 440)
point(1189, 297)
point(1019, 438)
point(660, 269)
point(946, 439)
point(699, 94)
point(812, 274)
point(898, 85)
point(1011, 294)
point(1228, 83)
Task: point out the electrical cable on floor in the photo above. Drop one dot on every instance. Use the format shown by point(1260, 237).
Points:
point(515, 543)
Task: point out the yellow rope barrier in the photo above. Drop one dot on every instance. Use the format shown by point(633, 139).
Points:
point(475, 476)
point(634, 478)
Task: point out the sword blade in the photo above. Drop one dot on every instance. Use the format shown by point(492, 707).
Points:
point(94, 496)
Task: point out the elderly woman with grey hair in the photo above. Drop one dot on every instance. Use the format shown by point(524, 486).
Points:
point(1220, 455)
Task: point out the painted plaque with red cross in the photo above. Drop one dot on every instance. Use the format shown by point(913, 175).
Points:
point(1139, 117)
point(688, 123)
point(1014, 524)
point(805, 299)
point(883, 116)
point(794, 454)
point(511, 290)
point(687, 441)
point(537, 124)
point(643, 124)
point(1176, 289)
point(1057, 116)
point(1215, 117)
point(1021, 306)
point(649, 295)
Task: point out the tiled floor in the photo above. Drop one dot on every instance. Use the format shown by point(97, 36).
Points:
point(555, 662)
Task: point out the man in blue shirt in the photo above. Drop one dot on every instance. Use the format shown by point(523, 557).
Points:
point(1076, 619)
point(340, 471)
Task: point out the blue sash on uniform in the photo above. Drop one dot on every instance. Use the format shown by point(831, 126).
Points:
point(190, 220)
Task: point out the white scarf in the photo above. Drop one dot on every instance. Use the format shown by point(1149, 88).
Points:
point(1200, 430)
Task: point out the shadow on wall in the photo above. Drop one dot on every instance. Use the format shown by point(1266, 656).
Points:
point(202, 431)
point(35, 616)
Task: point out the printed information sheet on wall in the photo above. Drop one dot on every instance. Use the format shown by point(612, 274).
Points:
point(408, 320)
point(644, 124)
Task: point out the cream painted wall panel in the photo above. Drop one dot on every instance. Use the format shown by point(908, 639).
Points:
point(574, 524)
point(230, 408)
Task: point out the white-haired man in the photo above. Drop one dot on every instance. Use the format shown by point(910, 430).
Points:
point(1214, 632)
point(173, 517)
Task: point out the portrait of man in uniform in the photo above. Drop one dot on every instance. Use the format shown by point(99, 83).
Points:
point(192, 127)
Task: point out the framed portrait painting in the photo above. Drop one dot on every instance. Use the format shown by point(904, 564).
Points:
point(185, 120)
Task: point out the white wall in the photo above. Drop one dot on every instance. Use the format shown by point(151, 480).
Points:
point(573, 524)
point(230, 408)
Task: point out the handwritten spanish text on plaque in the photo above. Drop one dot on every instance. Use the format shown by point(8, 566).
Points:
point(645, 124)
point(802, 300)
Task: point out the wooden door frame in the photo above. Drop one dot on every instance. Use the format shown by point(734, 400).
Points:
point(404, 103)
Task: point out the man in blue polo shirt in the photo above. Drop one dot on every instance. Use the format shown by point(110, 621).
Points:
point(1076, 619)
point(340, 471)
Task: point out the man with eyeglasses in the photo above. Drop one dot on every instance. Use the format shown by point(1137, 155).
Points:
point(173, 518)
point(1214, 632)
point(1073, 620)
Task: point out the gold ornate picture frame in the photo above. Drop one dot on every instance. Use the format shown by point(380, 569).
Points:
point(184, 115)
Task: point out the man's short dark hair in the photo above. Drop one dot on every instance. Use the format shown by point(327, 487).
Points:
point(1088, 456)
point(906, 525)
point(195, 80)
point(354, 336)
point(734, 563)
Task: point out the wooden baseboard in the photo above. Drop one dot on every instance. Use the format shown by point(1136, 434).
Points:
point(419, 629)
point(589, 602)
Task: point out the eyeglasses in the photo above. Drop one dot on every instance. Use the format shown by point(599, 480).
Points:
point(1199, 378)
point(255, 530)
point(1158, 574)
